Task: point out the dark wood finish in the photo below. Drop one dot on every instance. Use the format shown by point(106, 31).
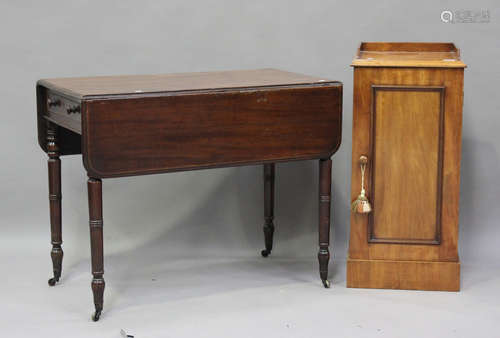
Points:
point(269, 171)
point(54, 166)
point(64, 111)
point(255, 100)
point(138, 85)
point(137, 125)
point(146, 135)
point(69, 142)
point(96, 243)
point(407, 118)
point(325, 181)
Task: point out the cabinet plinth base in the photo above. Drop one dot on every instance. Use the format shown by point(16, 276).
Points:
point(407, 275)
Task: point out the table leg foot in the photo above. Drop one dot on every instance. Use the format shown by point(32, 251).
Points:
point(53, 281)
point(96, 315)
point(268, 235)
point(98, 292)
point(57, 256)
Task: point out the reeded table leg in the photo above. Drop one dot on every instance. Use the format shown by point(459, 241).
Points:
point(54, 166)
point(268, 208)
point(325, 179)
point(96, 243)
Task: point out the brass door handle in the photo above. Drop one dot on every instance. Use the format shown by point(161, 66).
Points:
point(361, 205)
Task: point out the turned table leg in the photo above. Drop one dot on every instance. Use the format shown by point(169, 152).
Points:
point(54, 166)
point(325, 179)
point(268, 208)
point(96, 243)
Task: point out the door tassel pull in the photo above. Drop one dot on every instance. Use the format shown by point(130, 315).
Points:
point(361, 204)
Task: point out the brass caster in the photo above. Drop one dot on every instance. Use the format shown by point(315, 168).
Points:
point(53, 281)
point(265, 253)
point(96, 315)
point(326, 283)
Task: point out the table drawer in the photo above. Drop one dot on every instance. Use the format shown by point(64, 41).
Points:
point(64, 111)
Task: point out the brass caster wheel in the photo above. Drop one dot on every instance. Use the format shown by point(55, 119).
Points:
point(96, 315)
point(53, 281)
point(326, 283)
point(265, 253)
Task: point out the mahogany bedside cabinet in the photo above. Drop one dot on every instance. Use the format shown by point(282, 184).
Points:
point(138, 125)
point(406, 141)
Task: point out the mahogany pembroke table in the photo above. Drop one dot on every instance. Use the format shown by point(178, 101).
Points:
point(137, 125)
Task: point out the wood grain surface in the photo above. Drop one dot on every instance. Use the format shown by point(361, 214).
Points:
point(407, 121)
point(408, 54)
point(452, 80)
point(407, 275)
point(132, 136)
point(138, 125)
point(80, 87)
point(407, 164)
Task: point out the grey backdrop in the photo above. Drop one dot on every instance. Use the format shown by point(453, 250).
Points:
point(219, 212)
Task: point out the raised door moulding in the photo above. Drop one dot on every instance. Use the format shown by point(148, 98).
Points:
point(372, 238)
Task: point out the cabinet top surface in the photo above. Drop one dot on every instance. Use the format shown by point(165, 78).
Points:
point(408, 54)
point(135, 84)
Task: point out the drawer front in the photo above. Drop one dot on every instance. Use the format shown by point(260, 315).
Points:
point(64, 111)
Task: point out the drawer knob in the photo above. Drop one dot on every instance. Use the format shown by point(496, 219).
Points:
point(53, 102)
point(73, 110)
